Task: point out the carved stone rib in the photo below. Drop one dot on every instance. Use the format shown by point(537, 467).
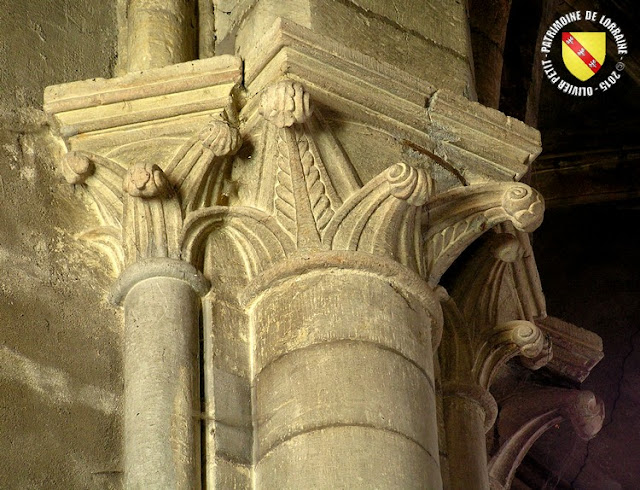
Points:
point(527, 415)
point(300, 199)
point(503, 342)
point(371, 218)
point(527, 280)
point(200, 160)
point(455, 218)
point(269, 242)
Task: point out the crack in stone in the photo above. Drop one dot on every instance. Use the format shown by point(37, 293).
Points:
point(615, 400)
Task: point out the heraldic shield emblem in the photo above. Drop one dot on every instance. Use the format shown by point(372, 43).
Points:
point(583, 53)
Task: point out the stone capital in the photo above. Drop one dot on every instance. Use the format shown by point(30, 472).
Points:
point(154, 268)
point(323, 193)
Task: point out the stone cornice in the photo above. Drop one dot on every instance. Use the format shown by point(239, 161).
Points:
point(576, 351)
point(179, 90)
point(480, 143)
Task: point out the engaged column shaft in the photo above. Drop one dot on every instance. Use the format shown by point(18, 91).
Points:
point(161, 385)
point(343, 387)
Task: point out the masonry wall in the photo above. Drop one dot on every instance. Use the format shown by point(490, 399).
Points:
point(60, 360)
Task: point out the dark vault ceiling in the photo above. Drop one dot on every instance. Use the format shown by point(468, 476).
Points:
point(587, 247)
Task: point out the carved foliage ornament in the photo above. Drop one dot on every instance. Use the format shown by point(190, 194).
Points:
point(142, 206)
point(304, 210)
point(476, 343)
point(306, 202)
point(309, 198)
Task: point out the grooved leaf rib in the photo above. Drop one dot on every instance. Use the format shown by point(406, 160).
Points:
point(320, 204)
point(450, 236)
point(284, 200)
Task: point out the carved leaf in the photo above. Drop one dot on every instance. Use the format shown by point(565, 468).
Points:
point(320, 204)
point(459, 216)
point(197, 169)
point(381, 217)
point(285, 203)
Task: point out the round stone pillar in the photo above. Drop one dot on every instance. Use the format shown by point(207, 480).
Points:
point(343, 375)
point(159, 33)
point(465, 411)
point(161, 404)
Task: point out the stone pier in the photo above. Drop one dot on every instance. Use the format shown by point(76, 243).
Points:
point(349, 219)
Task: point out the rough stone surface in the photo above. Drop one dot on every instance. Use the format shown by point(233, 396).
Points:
point(60, 342)
point(328, 180)
point(608, 306)
point(386, 31)
point(45, 43)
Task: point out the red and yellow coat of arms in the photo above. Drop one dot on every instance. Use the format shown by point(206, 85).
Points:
point(583, 53)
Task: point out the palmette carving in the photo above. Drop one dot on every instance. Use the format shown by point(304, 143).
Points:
point(104, 185)
point(477, 288)
point(261, 238)
point(373, 220)
point(318, 205)
point(477, 343)
point(141, 206)
point(470, 360)
point(383, 217)
point(386, 215)
point(459, 216)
